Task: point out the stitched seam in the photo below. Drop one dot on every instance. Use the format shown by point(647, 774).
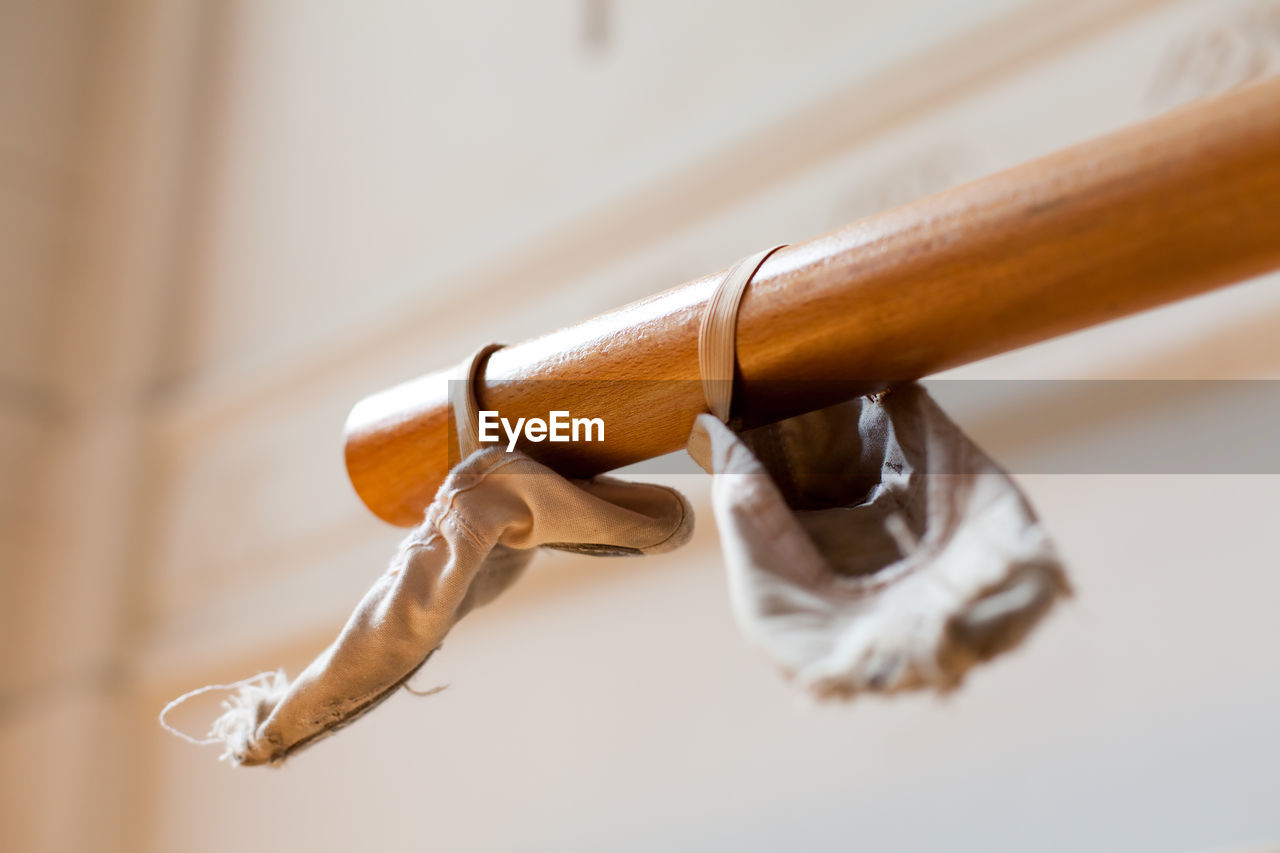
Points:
point(676, 528)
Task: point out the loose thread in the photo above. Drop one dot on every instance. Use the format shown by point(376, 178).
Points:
point(431, 692)
point(261, 678)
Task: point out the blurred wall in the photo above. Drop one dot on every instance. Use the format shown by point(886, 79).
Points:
point(224, 222)
point(91, 114)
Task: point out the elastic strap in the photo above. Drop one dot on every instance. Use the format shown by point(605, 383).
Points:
point(718, 334)
point(462, 394)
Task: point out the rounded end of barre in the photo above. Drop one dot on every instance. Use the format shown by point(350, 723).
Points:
point(397, 448)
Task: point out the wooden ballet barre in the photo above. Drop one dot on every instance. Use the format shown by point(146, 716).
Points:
point(1172, 207)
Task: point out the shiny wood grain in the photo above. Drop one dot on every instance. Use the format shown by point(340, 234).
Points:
point(1163, 210)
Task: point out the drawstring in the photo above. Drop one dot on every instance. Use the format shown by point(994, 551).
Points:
point(262, 679)
point(718, 334)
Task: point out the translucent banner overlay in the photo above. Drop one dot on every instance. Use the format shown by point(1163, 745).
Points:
point(1027, 426)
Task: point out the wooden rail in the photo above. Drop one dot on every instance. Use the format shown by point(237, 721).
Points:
point(1160, 211)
